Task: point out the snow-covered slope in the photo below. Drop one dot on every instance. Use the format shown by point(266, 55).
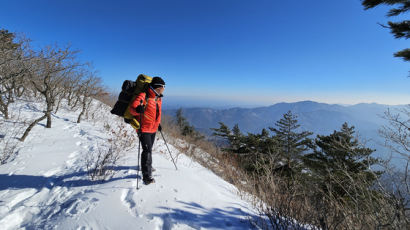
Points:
point(47, 187)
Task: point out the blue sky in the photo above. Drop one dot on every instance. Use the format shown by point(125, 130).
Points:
point(228, 51)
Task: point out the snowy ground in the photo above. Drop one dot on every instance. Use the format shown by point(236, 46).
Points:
point(47, 187)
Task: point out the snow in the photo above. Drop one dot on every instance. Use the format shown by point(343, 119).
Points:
point(46, 186)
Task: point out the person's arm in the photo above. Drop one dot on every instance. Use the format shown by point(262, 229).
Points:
point(136, 108)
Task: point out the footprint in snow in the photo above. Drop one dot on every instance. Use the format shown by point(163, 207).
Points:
point(82, 132)
point(68, 126)
point(20, 198)
point(80, 206)
point(128, 200)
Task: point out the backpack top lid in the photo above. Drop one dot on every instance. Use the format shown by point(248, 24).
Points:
point(142, 83)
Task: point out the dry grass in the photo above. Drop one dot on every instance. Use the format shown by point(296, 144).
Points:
point(9, 141)
point(100, 164)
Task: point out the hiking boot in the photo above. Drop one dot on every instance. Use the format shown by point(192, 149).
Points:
point(148, 180)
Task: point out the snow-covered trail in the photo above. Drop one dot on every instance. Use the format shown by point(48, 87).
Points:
point(47, 187)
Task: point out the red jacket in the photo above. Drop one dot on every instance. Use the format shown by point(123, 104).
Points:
point(151, 118)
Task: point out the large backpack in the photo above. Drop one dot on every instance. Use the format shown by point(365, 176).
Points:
point(130, 89)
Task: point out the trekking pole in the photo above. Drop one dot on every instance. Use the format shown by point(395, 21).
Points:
point(139, 146)
point(168, 150)
point(138, 170)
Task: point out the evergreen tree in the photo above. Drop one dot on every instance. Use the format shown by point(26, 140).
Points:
point(183, 124)
point(185, 128)
point(292, 144)
point(257, 143)
point(223, 131)
point(180, 119)
point(240, 143)
point(253, 150)
point(398, 29)
point(339, 162)
point(236, 140)
point(225, 134)
point(262, 149)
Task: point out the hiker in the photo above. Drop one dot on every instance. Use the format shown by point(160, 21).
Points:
point(146, 108)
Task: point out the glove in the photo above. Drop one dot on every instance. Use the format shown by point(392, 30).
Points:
point(140, 109)
point(159, 128)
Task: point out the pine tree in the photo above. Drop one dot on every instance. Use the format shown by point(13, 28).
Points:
point(187, 129)
point(339, 162)
point(263, 152)
point(257, 143)
point(398, 29)
point(292, 144)
point(183, 124)
point(236, 140)
point(180, 119)
point(252, 150)
point(224, 133)
point(232, 138)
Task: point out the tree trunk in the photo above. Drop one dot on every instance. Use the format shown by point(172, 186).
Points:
point(50, 103)
point(75, 103)
point(10, 99)
point(57, 108)
point(4, 109)
point(48, 115)
point(58, 104)
point(30, 127)
point(79, 116)
point(87, 110)
point(69, 98)
point(82, 111)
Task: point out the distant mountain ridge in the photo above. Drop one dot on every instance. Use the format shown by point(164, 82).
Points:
point(319, 118)
point(314, 116)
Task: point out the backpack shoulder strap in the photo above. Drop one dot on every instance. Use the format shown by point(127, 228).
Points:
point(146, 99)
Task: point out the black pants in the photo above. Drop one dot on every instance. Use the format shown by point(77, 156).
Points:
point(147, 141)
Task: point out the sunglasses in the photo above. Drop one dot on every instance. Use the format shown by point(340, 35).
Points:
point(163, 86)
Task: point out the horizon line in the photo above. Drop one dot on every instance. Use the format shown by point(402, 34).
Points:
point(233, 102)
